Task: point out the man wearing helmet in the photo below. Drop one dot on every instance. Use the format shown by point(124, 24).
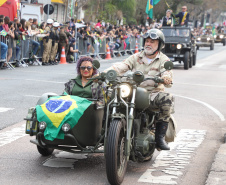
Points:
point(47, 43)
point(55, 39)
point(151, 62)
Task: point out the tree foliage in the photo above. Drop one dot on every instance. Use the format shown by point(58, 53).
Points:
point(133, 11)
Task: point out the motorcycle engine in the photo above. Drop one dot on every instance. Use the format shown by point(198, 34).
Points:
point(145, 142)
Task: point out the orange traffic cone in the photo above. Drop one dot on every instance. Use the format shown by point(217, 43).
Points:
point(63, 57)
point(108, 56)
point(136, 48)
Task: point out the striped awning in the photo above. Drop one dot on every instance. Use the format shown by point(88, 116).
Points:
point(57, 1)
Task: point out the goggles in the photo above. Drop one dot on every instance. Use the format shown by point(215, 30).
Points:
point(152, 35)
point(84, 67)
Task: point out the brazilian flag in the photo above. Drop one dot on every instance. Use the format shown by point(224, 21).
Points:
point(58, 110)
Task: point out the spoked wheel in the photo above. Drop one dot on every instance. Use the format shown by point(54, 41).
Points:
point(45, 151)
point(116, 161)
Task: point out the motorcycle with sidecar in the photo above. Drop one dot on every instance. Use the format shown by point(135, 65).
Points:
point(123, 129)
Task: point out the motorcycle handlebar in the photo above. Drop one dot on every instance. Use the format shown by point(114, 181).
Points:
point(155, 79)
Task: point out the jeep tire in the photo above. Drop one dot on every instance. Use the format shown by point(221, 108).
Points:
point(186, 60)
point(212, 46)
point(191, 60)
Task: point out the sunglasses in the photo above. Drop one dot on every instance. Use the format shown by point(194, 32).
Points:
point(84, 67)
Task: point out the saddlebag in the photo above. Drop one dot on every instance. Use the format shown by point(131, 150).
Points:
point(171, 131)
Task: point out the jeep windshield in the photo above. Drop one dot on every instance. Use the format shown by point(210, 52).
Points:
point(176, 32)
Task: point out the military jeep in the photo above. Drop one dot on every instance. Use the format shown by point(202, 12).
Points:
point(180, 45)
point(220, 38)
point(205, 41)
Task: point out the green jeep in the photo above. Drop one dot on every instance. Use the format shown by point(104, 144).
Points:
point(180, 45)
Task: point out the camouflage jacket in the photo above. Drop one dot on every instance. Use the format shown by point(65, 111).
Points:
point(96, 88)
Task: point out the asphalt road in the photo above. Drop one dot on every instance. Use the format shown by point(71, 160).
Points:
point(200, 114)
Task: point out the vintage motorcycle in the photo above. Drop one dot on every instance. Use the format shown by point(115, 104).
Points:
point(124, 129)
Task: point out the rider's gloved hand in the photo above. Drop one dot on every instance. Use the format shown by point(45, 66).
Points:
point(167, 80)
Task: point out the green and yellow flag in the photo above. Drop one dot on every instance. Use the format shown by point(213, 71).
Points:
point(58, 110)
point(150, 6)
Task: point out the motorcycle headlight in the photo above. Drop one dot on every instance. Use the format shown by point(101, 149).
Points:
point(221, 36)
point(179, 46)
point(215, 36)
point(66, 127)
point(208, 38)
point(199, 38)
point(42, 126)
point(125, 90)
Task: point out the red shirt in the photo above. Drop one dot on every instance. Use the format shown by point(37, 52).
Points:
point(5, 27)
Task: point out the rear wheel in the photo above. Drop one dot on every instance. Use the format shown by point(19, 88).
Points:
point(212, 46)
point(224, 41)
point(45, 151)
point(191, 60)
point(194, 58)
point(186, 60)
point(197, 47)
point(116, 160)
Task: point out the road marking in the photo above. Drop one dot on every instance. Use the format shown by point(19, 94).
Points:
point(217, 112)
point(222, 67)
point(3, 109)
point(45, 81)
point(199, 65)
point(205, 85)
point(169, 165)
point(33, 96)
point(12, 135)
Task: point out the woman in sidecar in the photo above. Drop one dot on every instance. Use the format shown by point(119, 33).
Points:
point(82, 113)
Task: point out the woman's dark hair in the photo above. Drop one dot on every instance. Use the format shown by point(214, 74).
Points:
point(11, 23)
point(19, 25)
point(23, 21)
point(42, 25)
point(82, 59)
point(6, 20)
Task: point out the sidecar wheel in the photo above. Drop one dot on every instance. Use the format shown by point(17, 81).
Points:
point(45, 151)
point(116, 160)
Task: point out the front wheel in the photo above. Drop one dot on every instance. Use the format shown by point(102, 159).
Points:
point(45, 151)
point(186, 60)
point(116, 160)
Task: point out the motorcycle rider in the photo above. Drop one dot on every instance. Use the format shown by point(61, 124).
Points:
point(151, 62)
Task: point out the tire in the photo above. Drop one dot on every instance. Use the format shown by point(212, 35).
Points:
point(224, 138)
point(45, 151)
point(191, 61)
point(194, 59)
point(224, 42)
point(186, 60)
point(197, 47)
point(116, 161)
point(212, 46)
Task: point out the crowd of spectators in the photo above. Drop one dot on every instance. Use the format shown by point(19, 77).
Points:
point(67, 34)
point(91, 34)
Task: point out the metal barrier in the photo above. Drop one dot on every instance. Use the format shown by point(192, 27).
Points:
point(23, 49)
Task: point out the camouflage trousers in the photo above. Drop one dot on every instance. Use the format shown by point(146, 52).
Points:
point(163, 103)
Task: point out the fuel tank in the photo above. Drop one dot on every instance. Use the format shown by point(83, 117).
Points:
point(142, 98)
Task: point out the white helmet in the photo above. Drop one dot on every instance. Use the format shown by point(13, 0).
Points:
point(49, 21)
point(56, 24)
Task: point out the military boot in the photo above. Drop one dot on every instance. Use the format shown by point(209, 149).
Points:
point(160, 132)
